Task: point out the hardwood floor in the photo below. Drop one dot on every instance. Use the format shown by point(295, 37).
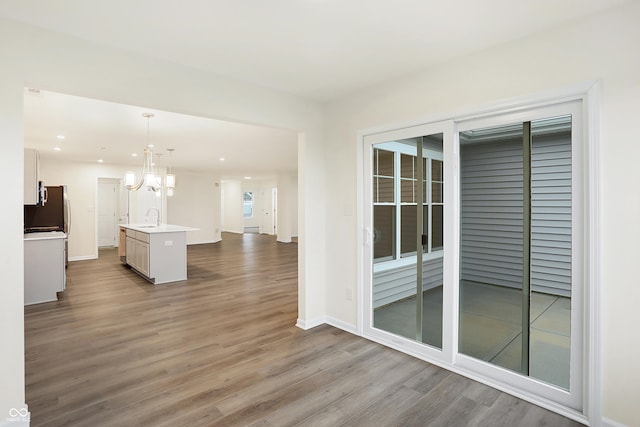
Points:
point(221, 349)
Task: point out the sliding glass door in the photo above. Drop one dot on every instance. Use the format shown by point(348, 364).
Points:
point(475, 247)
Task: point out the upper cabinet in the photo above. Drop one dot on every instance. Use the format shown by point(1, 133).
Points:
point(32, 185)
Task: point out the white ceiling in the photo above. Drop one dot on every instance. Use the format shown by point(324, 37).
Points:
point(317, 49)
point(95, 130)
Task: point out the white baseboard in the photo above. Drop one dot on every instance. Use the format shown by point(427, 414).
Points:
point(347, 327)
point(82, 258)
point(606, 422)
point(203, 242)
point(337, 323)
point(308, 324)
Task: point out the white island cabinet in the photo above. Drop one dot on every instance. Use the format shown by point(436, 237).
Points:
point(157, 253)
point(44, 272)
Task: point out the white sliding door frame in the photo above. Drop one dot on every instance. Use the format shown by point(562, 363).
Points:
point(584, 402)
point(414, 348)
point(573, 398)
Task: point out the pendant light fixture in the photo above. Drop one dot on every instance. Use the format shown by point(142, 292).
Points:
point(147, 178)
point(170, 181)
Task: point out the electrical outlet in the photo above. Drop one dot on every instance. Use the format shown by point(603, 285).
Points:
point(349, 294)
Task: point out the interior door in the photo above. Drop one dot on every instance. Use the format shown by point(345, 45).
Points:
point(107, 220)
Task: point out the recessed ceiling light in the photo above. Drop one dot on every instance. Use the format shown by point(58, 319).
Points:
point(134, 154)
point(60, 136)
point(100, 161)
point(57, 149)
point(149, 145)
point(247, 177)
point(222, 159)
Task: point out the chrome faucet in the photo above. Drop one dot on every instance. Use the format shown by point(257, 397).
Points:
point(157, 215)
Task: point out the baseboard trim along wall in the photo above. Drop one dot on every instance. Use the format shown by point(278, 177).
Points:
point(308, 324)
point(83, 258)
point(347, 327)
point(332, 321)
point(606, 422)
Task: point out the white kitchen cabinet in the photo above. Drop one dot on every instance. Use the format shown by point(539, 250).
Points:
point(131, 250)
point(142, 257)
point(44, 266)
point(137, 251)
point(31, 176)
point(158, 253)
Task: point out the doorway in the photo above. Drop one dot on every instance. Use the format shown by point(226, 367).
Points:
point(109, 215)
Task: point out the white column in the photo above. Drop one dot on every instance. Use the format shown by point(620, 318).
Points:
point(285, 209)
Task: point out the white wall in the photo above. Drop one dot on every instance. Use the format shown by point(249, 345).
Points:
point(12, 251)
point(142, 202)
point(293, 205)
point(196, 203)
point(603, 47)
point(52, 61)
point(232, 206)
point(286, 217)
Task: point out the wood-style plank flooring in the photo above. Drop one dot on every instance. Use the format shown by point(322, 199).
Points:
point(222, 349)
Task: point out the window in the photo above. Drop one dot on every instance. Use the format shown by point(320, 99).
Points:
point(247, 204)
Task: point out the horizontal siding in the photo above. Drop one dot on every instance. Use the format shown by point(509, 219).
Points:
point(491, 213)
point(399, 283)
point(551, 214)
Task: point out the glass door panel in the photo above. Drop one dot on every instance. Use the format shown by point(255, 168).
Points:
point(515, 247)
point(407, 282)
point(432, 226)
point(551, 252)
point(491, 242)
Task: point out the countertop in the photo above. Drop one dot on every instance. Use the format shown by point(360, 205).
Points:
point(45, 235)
point(152, 229)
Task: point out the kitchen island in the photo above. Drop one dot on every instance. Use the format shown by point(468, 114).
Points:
point(156, 252)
